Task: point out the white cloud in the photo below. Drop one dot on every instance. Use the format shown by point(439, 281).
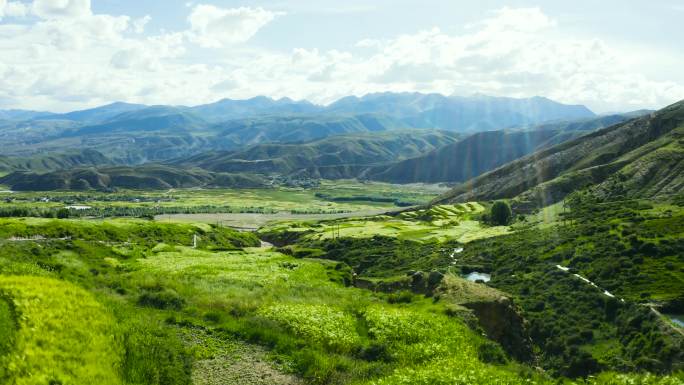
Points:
point(54, 9)
point(211, 26)
point(139, 24)
point(12, 9)
point(63, 63)
point(515, 52)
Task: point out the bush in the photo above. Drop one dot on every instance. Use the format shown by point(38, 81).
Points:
point(375, 352)
point(403, 296)
point(501, 213)
point(165, 299)
point(491, 353)
point(63, 213)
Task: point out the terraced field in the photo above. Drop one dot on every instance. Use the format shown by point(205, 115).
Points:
point(439, 223)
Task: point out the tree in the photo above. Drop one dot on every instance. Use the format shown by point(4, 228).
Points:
point(63, 213)
point(501, 213)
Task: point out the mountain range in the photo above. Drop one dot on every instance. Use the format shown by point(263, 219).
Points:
point(354, 138)
point(387, 137)
point(134, 134)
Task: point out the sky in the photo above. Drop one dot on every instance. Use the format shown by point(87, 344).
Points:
point(612, 55)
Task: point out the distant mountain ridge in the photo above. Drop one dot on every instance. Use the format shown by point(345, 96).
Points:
point(402, 104)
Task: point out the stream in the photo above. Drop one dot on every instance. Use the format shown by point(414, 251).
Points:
point(477, 276)
point(676, 318)
point(472, 276)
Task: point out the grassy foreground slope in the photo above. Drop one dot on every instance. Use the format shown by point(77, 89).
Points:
point(165, 313)
point(63, 336)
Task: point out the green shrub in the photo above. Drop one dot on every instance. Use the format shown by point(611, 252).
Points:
point(164, 299)
point(403, 296)
point(491, 353)
point(501, 213)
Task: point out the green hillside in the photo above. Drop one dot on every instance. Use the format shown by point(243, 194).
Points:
point(339, 150)
point(54, 161)
point(149, 176)
point(481, 152)
point(132, 302)
point(641, 157)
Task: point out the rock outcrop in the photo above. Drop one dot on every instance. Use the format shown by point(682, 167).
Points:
point(496, 313)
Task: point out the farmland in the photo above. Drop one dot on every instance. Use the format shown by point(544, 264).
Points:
point(338, 197)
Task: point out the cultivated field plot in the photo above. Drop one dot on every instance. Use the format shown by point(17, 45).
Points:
point(441, 223)
point(252, 221)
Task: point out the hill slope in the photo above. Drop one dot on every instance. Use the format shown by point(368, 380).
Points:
point(640, 157)
point(341, 150)
point(485, 151)
point(56, 161)
point(150, 176)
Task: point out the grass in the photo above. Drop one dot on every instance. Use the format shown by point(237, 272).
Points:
point(291, 305)
point(8, 326)
point(64, 335)
point(323, 324)
point(123, 232)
